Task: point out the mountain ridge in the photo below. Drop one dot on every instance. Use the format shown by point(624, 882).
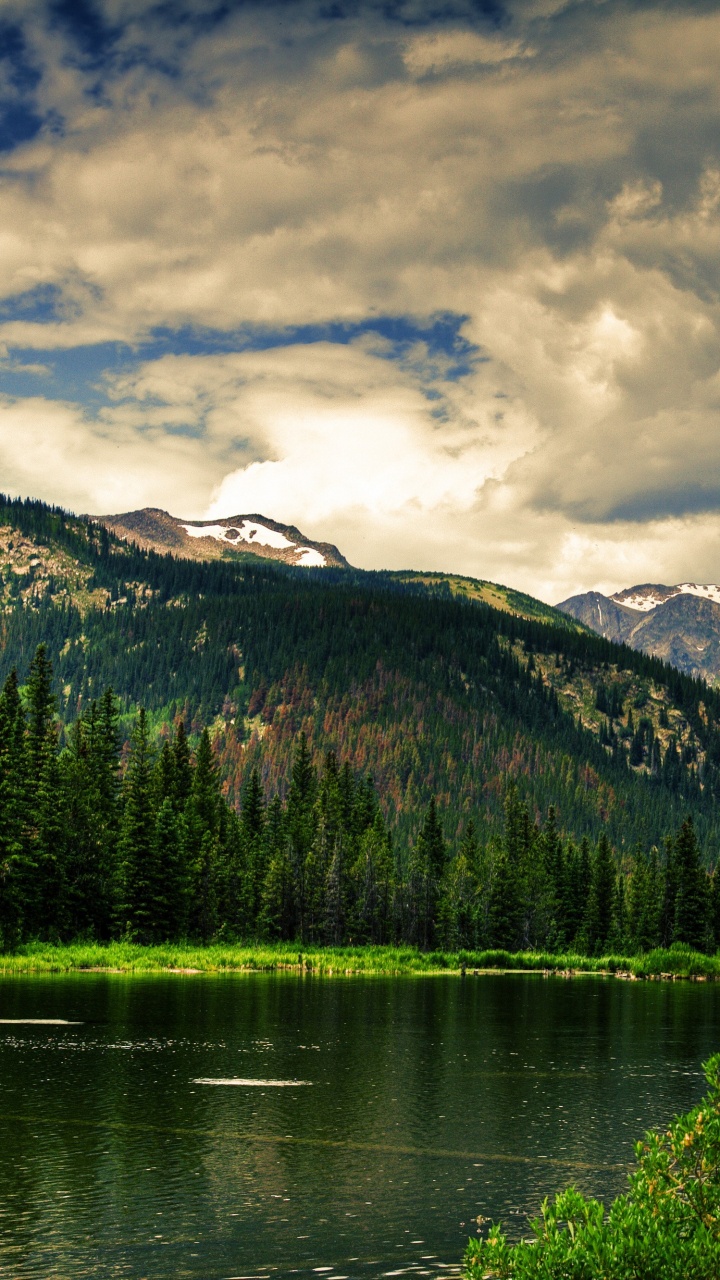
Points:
point(437, 693)
point(679, 624)
point(239, 537)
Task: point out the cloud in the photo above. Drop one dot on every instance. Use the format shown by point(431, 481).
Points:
point(546, 173)
point(439, 51)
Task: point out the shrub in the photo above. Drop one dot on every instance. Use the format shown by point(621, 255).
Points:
point(666, 1227)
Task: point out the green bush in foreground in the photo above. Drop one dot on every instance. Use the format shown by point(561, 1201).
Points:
point(666, 1227)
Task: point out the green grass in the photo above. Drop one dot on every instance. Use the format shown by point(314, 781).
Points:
point(127, 957)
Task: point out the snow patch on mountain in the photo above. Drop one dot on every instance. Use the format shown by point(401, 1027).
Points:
point(707, 592)
point(310, 558)
point(643, 603)
point(252, 533)
point(645, 599)
point(248, 532)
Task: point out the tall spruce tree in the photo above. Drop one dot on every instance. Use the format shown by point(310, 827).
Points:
point(16, 864)
point(140, 884)
point(691, 924)
point(598, 923)
point(42, 727)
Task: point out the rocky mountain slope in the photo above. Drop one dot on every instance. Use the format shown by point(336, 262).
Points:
point(234, 537)
point(680, 624)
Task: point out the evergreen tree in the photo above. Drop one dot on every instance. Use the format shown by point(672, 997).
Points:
point(505, 906)
point(55, 837)
point(277, 914)
point(169, 858)
point(427, 864)
point(691, 924)
point(598, 922)
point(16, 865)
point(457, 913)
point(644, 902)
point(42, 730)
point(301, 823)
point(183, 766)
point(140, 887)
point(252, 822)
point(204, 912)
point(375, 888)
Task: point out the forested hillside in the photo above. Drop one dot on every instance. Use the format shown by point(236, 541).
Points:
point(154, 853)
point(432, 695)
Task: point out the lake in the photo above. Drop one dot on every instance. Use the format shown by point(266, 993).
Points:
point(425, 1102)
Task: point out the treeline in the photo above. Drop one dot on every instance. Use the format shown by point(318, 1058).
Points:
point(102, 844)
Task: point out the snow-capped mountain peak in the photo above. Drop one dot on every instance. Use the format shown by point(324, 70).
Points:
point(244, 535)
point(651, 595)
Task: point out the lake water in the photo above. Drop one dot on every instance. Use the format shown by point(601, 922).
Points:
point(428, 1101)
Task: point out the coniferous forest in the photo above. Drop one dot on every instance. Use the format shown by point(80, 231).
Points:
point(147, 847)
point(332, 756)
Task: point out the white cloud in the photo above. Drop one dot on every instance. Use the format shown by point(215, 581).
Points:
point(565, 203)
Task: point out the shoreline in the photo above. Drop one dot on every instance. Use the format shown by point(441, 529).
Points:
point(186, 960)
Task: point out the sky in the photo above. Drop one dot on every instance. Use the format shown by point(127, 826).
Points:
point(435, 280)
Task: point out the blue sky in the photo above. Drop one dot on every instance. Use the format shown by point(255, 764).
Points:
point(437, 280)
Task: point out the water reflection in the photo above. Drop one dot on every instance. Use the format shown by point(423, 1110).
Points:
point(432, 1101)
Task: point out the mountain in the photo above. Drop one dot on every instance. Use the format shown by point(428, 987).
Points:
point(480, 591)
point(680, 624)
point(236, 537)
point(434, 692)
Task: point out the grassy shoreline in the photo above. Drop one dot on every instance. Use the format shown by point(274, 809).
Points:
point(182, 958)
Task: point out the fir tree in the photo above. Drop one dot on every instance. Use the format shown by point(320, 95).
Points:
point(505, 906)
point(139, 870)
point(15, 861)
point(42, 730)
point(252, 822)
point(691, 924)
point(601, 899)
point(277, 914)
point(644, 902)
point(171, 886)
point(427, 865)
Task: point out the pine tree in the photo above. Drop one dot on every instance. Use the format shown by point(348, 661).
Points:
point(183, 766)
point(374, 881)
point(139, 871)
point(644, 903)
point(427, 865)
point(204, 914)
point(691, 924)
point(277, 914)
point(301, 823)
point(252, 826)
point(55, 843)
point(576, 889)
point(205, 797)
point(601, 899)
point(505, 905)
point(169, 857)
point(715, 907)
point(16, 866)
point(457, 924)
point(42, 729)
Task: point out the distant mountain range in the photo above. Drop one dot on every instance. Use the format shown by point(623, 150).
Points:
point(233, 537)
point(680, 624)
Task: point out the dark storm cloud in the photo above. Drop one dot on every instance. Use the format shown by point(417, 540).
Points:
point(667, 502)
